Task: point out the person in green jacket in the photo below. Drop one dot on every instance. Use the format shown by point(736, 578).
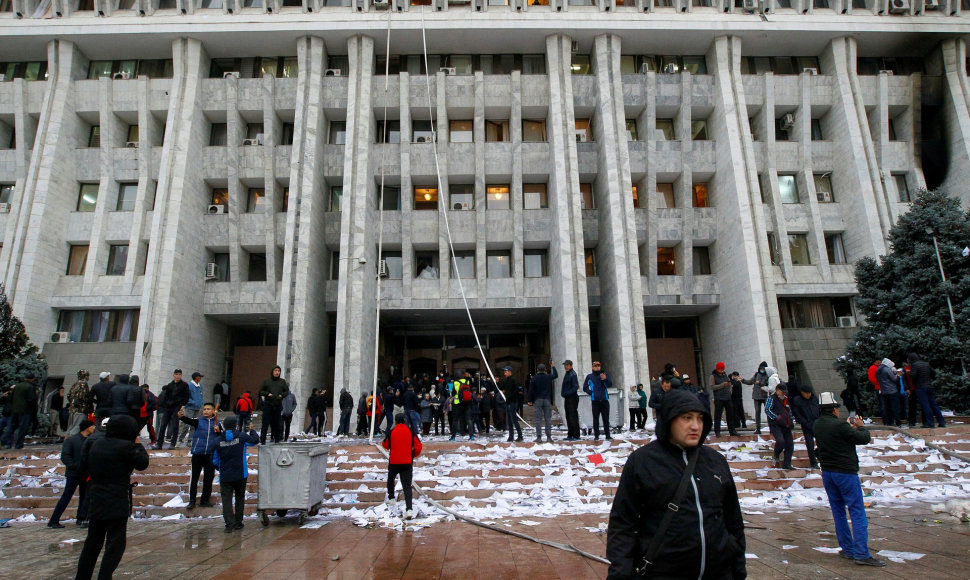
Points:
point(837, 440)
point(272, 392)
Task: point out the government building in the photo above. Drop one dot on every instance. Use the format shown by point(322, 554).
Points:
point(224, 185)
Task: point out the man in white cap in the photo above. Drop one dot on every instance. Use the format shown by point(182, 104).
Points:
point(102, 391)
point(837, 440)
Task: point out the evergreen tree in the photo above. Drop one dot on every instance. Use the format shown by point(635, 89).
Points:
point(14, 342)
point(904, 300)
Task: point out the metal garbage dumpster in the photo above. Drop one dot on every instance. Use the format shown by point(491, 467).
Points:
point(292, 476)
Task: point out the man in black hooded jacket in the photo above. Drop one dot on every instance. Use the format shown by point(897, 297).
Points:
point(705, 537)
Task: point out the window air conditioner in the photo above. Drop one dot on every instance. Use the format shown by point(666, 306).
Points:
point(845, 321)
point(231, 74)
point(899, 6)
point(670, 69)
point(787, 121)
point(4, 208)
point(448, 70)
point(3, 77)
point(382, 269)
point(931, 4)
point(61, 337)
point(823, 196)
point(333, 72)
point(211, 271)
point(216, 209)
point(250, 142)
point(121, 76)
point(644, 68)
point(811, 70)
point(132, 144)
point(381, 4)
point(581, 135)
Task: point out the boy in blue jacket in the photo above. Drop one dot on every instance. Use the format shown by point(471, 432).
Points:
point(204, 440)
point(230, 460)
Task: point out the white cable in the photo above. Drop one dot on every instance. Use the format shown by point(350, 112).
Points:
point(443, 209)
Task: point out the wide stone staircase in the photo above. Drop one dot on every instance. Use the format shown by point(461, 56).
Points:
point(488, 473)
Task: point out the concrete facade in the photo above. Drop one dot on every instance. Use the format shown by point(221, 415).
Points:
point(301, 158)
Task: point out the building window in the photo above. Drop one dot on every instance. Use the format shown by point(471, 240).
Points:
point(257, 200)
point(393, 265)
point(813, 312)
point(798, 246)
point(788, 189)
point(287, 136)
point(586, 195)
point(338, 132)
point(426, 198)
point(117, 258)
point(339, 62)
point(902, 188)
point(589, 257)
point(257, 267)
point(219, 135)
point(699, 196)
point(132, 134)
point(698, 130)
point(461, 131)
point(99, 325)
point(580, 64)
point(389, 131)
point(817, 130)
point(126, 197)
point(535, 263)
point(533, 131)
point(534, 196)
point(631, 130)
point(222, 267)
point(220, 196)
point(497, 197)
point(498, 264)
point(636, 197)
point(462, 196)
point(29, 71)
point(286, 200)
point(6, 192)
point(834, 248)
point(823, 187)
point(336, 197)
point(334, 265)
point(255, 131)
point(774, 251)
point(665, 130)
point(666, 262)
point(77, 259)
point(464, 264)
point(426, 265)
point(702, 261)
point(497, 131)
point(782, 129)
point(87, 198)
point(94, 136)
point(665, 195)
point(583, 130)
point(391, 199)
point(284, 67)
point(422, 131)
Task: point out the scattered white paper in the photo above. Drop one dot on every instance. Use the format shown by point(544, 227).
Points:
point(827, 550)
point(751, 556)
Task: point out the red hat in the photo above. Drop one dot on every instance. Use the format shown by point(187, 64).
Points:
point(719, 366)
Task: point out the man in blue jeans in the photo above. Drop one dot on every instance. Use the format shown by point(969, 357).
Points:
point(837, 440)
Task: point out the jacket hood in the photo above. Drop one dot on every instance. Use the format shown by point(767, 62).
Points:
point(771, 371)
point(122, 427)
point(676, 403)
point(888, 363)
point(121, 379)
point(246, 396)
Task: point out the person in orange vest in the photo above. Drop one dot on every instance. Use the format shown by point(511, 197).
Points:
point(404, 446)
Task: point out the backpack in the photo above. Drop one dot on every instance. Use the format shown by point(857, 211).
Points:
point(466, 393)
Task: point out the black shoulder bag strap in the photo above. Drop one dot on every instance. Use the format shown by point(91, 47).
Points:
point(672, 508)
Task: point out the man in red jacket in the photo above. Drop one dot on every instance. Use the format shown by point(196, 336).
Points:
point(404, 447)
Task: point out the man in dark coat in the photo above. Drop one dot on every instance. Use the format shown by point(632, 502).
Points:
point(540, 396)
point(109, 462)
point(121, 399)
point(923, 374)
point(173, 396)
point(71, 458)
point(805, 409)
point(705, 536)
point(101, 391)
point(570, 400)
point(23, 408)
point(510, 390)
point(596, 385)
point(272, 392)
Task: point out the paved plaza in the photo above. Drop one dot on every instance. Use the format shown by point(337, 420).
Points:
point(784, 542)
